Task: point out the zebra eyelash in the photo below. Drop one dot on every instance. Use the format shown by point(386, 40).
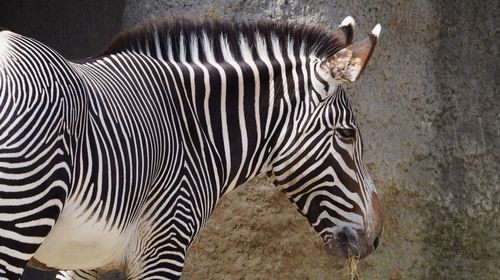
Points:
point(346, 133)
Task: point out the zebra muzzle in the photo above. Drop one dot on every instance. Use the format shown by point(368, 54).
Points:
point(349, 242)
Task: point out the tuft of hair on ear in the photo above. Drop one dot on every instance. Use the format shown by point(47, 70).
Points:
point(345, 31)
point(376, 30)
point(346, 65)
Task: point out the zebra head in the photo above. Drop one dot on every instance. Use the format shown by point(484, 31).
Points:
point(320, 164)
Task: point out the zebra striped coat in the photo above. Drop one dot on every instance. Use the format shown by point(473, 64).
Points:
point(117, 161)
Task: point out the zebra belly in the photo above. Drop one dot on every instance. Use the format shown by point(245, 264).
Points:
point(77, 242)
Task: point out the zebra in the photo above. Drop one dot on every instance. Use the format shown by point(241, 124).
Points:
point(117, 161)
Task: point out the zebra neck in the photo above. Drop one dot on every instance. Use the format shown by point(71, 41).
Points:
point(242, 82)
point(242, 109)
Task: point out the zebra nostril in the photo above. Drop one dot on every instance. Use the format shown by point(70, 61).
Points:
point(376, 242)
point(342, 238)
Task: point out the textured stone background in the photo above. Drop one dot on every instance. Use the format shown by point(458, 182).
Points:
point(429, 109)
point(74, 28)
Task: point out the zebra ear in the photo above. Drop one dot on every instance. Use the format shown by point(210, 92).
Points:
point(345, 32)
point(347, 64)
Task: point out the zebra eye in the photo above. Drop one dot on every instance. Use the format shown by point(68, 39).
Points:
point(347, 133)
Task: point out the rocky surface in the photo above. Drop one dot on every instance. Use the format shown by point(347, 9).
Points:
point(76, 29)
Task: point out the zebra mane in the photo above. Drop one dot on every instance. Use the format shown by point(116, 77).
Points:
point(151, 37)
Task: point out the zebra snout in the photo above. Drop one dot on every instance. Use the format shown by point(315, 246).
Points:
point(352, 242)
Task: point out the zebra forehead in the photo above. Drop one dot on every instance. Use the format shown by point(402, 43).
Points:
point(315, 40)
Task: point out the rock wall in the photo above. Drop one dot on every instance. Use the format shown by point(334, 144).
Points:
point(76, 29)
point(429, 110)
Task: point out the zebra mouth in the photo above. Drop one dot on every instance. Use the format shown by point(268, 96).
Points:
point(346, 242)
point(349, 242)
point(342, 248)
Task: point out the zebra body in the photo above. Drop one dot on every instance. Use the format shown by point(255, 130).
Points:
point(118, 161)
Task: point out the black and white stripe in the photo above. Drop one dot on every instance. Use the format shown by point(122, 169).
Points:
point(132, 150)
